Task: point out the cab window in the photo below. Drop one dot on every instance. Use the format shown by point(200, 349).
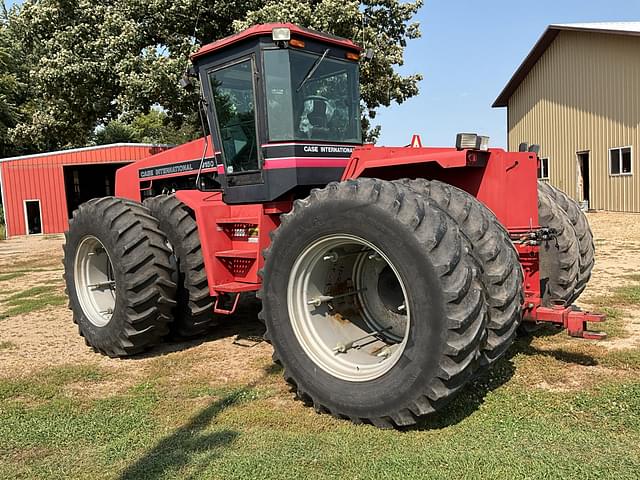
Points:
point(234, 101)
point(312, 96)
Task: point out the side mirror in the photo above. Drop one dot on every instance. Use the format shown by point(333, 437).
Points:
point(186, 83)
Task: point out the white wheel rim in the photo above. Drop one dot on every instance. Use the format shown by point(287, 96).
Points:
point(95, 281)
point(341, 266)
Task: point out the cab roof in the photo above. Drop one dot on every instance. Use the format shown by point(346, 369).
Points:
point(266, 28)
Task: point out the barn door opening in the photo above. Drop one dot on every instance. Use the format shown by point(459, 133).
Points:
point(583, 178)
point(32, 217)
point(84, 182)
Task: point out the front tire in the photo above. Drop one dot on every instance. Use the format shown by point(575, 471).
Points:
point(194, 309)
point(118, 276)
point(426, 275)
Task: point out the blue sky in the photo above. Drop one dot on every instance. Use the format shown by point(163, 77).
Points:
point(467, 53)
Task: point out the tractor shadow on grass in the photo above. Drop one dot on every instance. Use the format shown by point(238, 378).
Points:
point(243, 325)
point(190, 445)
point(473, 394)
point(523, 345)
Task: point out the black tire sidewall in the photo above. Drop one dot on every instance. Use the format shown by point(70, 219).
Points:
point(419, 362)
point(104, 337)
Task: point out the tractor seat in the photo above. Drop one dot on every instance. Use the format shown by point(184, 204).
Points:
point(318, 116)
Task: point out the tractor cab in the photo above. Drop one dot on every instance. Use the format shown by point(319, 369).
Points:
point(283, 107)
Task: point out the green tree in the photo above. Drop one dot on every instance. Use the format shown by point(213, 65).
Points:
point(152, 127)
point(156, 127)
point(84, 64)
point(116, 131)
point(11, 90)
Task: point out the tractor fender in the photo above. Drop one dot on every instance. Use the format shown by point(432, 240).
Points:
point(369, 158)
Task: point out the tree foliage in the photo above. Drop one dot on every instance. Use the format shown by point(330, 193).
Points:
point(11, 92)
point(152, 127)
point(79, 65)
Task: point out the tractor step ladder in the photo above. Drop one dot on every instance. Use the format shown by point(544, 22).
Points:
point(242, 233)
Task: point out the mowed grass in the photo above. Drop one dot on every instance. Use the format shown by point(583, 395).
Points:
point(500, 427)
point(555, 407)
point(5, 277)
point(615, 304)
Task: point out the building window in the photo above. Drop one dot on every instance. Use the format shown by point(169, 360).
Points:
point(543, 169)
point(620, 161)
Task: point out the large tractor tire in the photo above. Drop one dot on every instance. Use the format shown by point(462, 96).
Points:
point(502, 275)
point(559, 255)
point(583, 233)
point(373, 303)
point(118, 276)
point(193, 313)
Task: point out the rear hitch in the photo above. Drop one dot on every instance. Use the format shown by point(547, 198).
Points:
point(536, 237)
point(574, 320)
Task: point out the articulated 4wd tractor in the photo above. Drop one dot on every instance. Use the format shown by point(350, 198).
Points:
point(389, 277)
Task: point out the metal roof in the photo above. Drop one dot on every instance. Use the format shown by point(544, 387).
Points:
point(84, 149)
point(549, 35)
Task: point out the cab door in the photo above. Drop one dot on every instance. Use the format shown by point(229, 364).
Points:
point(233, 90)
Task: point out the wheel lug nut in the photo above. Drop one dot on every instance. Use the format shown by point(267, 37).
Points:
point(333, 257)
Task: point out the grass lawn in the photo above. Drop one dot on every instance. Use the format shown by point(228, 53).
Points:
point(555, 407)
point(500, 427)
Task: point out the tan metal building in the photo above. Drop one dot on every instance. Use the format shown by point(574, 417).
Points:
point(577, 95)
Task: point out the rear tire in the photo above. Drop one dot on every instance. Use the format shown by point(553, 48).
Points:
point(502, 274)
point(559, 256)
point(583, 233)
point(118, 276)
point(193, 312)
point(443, 295)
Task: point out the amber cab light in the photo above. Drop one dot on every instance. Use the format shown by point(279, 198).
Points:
point(294, 42)
point(353, 56)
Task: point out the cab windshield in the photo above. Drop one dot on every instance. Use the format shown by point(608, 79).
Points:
point(311, 98)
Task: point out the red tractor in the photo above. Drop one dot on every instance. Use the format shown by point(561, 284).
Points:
point(389, 277)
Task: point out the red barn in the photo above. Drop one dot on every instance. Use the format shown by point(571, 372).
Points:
point(39, 192)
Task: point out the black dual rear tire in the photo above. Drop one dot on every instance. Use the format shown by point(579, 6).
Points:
point(583, 233)
point(502, 276)
point(193, 313)
point(559, 255)
point(444, 290)
point(136, 261)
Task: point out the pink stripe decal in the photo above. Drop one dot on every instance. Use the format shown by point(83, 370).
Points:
point(305, 162)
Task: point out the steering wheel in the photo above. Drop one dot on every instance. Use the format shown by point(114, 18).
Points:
point(317, 97)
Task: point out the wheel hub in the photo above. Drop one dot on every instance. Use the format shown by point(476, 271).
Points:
point(348, 307)
point(95, 281)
